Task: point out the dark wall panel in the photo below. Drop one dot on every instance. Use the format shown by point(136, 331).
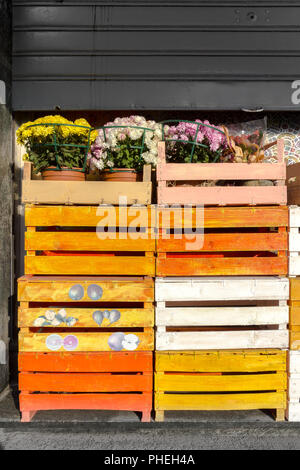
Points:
point(155, 54)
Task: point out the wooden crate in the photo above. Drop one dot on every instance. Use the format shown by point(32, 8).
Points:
point(87, 314)
point(227, 241)
point(220, 380)
point(293, 408)
point(37, 191)
point(193, 173)
point(72, 240)
point(89, 381)
point(294, 241)
point(221, 313)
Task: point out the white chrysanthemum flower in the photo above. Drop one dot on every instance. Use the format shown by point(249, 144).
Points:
point(55, 322)
point(50, 315)
point(39, 321)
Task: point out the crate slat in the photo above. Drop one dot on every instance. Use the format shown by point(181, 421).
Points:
point(86, 362)
point(138, 317)
point(222, 383)
point(218, 316)
point(221, 361)
point(235, 266)
point(220, 217)
point(57, 289)
point(88, 265)
point(221, 288)
point(244, 401)
point(87, 342)
point(222, 339)
point(85, 192)
point(84, 382)
point(221, 195)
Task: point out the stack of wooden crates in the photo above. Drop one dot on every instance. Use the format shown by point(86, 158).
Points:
point(86, 302)
point(221, 299)
point(293, 408)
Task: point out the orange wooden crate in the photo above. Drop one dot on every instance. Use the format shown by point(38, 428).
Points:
point(191, 173)
point(93, 381)
point(58, 237)
point(229, 241)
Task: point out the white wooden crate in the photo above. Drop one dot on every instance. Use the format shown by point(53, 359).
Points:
point(294, 241)
point(243, 322)
point(293, 408)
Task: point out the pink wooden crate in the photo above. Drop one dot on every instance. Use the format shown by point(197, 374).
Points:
point(221, 195)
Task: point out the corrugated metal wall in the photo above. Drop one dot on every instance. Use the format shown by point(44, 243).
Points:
point(155, 54)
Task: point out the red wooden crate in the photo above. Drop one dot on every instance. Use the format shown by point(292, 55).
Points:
point(85, 381)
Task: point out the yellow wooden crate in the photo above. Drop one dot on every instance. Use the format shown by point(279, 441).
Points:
point(203, 380)
point(85, 314)
point(89, 240)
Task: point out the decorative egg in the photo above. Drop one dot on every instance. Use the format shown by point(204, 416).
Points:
point(115, 341)
point(130, 342)
point(98, 317)
point(106, 314)
point(76, 292)
point(70, 342)
point(54, 342)
point(94, 292)
point(114, 316)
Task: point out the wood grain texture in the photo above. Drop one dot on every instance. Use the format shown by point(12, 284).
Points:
point(84, 382)
point(221, 195)
point(87, 342)
point(90, 265)
point(195, 340)
point(80, 241)
point(218, 316)
point(263, 360)
point(91, 401)
point(234, 266)
point(219, 383)
point(109, 362)
point(243, 401)
point(192, 380)
point(132, 317)
point(224, 242)
point(87, 216)
point(223, 217)
point(54, 289)
point(221, 288)
point(85, 192)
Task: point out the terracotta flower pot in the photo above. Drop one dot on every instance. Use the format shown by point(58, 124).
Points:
point(120, 174)
point(65, 174)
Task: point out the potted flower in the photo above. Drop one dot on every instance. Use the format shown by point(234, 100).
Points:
point(57, 147)
point(200, 142)
point(123, 146)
